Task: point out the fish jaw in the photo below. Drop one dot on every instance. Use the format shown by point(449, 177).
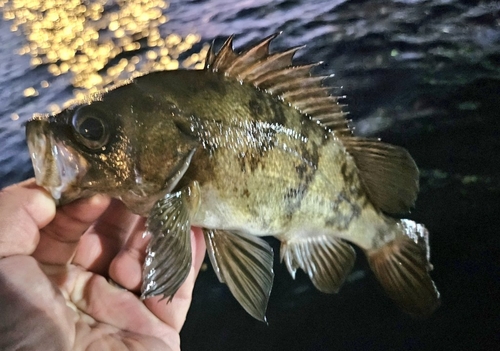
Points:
point(57, 166)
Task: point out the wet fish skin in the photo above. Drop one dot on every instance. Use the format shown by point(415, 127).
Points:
point(143, 146)
point(250, 146)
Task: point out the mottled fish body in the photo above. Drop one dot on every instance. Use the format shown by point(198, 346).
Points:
point(250, 146)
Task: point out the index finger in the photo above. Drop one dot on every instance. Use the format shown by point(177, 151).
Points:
point(24, 209)
point(105, 239)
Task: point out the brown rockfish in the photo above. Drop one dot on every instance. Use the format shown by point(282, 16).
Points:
point(250, 146)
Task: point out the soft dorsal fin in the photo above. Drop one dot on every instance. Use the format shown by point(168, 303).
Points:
point(388, 173)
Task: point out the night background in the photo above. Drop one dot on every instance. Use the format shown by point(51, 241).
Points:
point(424, 75)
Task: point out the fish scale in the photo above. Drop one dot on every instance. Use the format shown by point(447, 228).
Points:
point(252, 145)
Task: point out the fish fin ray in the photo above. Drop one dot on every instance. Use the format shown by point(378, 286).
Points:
point(276, 74)
point(306, 93)
point(388, 173)
point(332, 117)
point(179, 170)
point(281, 87)
point(250, 56)
point(212, 251)
point(321, 102)
point(270, 80)
point(224, 57)
point(271, 62)
point(326, 260)
point(168, 255)
point(402, 267)
point(209, 60)
point(245, 264)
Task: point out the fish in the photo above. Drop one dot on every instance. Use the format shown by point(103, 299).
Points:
point(252, 145)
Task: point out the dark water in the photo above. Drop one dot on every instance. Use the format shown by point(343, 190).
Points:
point(421, 74)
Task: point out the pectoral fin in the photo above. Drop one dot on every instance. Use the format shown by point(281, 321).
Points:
point(168, 259)
point(245, 264)
point(326, 260)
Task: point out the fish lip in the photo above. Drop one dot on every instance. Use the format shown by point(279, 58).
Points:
point(57, 166)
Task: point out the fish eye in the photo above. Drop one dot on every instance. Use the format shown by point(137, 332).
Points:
point(90, 127)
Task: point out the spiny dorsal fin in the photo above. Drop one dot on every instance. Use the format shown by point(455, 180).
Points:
point(275, 73)
point(389, 174)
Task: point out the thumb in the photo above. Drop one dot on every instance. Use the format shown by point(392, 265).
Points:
point(24, 209)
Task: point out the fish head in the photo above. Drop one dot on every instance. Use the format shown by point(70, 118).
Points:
point(72, 152)
point(123, 143)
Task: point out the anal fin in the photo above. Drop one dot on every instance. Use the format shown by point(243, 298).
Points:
point(327, 260)
point(402, 267)
point(245, 263)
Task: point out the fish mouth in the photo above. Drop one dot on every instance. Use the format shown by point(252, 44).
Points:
point(57, 166)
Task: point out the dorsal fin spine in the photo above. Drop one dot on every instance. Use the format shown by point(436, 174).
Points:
point(330, 116)
point(251, 55)
point(305, 93)
point(317, 101)
point(283, 74)
point(312, 110)
point(336, 122)
point(273, 79)
point(210, 57)
point(225, 55)
point(283, 58)
point(296, 84)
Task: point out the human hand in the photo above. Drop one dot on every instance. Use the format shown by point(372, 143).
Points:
point(54, 265)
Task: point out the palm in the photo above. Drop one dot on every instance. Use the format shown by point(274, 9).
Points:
point(62, 290)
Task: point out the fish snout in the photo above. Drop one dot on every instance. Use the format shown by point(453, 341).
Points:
point(57, 166)
point(37, 146)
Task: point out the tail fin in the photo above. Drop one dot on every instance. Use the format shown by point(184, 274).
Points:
point(402, 266)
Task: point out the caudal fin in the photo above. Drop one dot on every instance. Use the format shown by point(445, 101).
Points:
point(402, 266)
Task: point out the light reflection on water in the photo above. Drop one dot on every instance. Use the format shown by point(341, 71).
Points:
point(97, 43)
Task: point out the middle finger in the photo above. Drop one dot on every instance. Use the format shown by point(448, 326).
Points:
point(105, 239)
point(60, 238)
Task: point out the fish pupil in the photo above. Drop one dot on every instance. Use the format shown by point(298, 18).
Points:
point(91, 129)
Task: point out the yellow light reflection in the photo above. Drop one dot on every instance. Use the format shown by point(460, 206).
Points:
point(86, 38)
point(29, 92)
